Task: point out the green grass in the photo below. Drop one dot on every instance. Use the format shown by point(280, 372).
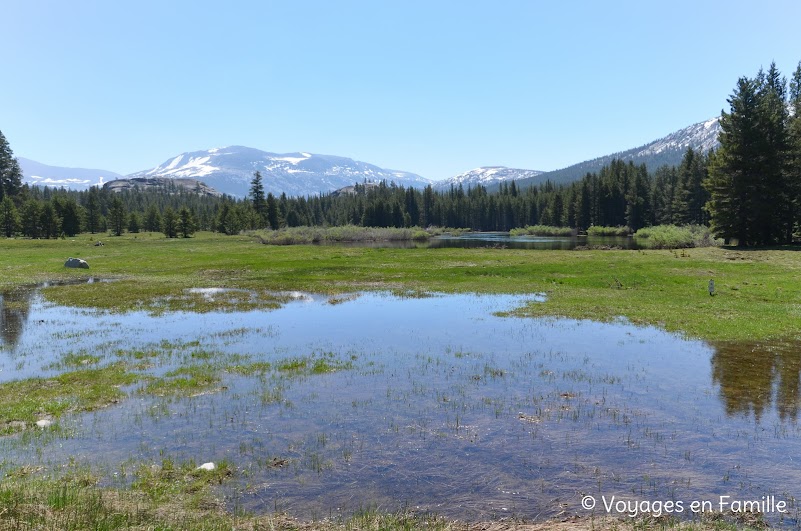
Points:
point(542, 230)
point(597, 230)
point(26, 401)
point(759, 291)
point(675, 237)
point(347, 233)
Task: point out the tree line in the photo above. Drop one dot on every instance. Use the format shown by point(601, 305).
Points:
point(749, 191)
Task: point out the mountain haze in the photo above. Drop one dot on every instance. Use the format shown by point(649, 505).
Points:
point(38, 174)
point(230, 170)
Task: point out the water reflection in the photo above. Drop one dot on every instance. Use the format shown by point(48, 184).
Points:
point(15, 306)
point(441, 404)
point(753, 376)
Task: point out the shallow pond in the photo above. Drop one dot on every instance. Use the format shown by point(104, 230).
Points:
point(502, 240)
point(542, 243)
point(436, 403)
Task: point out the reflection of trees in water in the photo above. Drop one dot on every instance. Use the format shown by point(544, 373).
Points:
point(753, 376)
point(14, 308)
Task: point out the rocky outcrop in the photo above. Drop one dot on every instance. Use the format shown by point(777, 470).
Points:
point(161, 184)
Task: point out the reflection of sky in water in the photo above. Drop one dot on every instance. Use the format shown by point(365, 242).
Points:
point(449, 407)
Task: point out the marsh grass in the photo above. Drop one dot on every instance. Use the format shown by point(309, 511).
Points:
point(596, 230)
point(175, 496)
point(317, 363)
point(542, 230)
point(347, 233)
point(675, 237)
point(26, 401)
point(187, 380)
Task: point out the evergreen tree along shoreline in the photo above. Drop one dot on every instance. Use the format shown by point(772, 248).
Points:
point(749, 192)
point(755, 178)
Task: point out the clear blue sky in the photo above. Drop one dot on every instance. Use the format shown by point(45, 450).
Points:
point(432, 87)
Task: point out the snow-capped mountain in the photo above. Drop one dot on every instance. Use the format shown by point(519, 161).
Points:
point(38, 174)
point(669, 150)
point(702, 137)
point(230, 170)
point(485, 176)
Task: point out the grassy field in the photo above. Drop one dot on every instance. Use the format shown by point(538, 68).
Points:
point(758, 293)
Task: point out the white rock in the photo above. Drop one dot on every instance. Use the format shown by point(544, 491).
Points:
point(44, 423)
point(206, 466)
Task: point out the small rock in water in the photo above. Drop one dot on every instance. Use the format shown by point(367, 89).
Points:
point(44, 423)
point(206, 466)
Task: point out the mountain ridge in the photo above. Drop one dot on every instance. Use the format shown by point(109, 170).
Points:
point(485, 176)
point(670, 149)
point(230, 170)
point(39, 174)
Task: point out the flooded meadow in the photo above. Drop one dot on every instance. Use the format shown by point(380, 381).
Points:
point(325, 405)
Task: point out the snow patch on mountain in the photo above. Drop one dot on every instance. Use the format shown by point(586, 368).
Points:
point(230, 170)
point(38, 174)
point(702, 137)
point(486, 176)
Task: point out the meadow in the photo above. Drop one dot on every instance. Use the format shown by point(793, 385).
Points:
point(757, 297)
point(756, 300)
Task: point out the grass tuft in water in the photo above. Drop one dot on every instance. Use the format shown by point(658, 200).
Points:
point(23, 402)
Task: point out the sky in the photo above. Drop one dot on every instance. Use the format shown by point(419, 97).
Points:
point(434, 87)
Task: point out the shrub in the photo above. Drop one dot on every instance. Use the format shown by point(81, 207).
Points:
point(542, 230)
point(608, 231)
point(675, 237)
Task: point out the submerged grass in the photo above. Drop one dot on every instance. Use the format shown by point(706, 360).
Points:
point(178, 496)
point(184, 381)
point(758, 291)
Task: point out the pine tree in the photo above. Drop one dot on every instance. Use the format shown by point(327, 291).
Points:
point(9, 217)
point(71, 216)
point(49, 221)
point(272, 212)
point(794, 131)
point(152, 219)
point(133, 223)
point(638, 199)
point(690, 196)
point(169, 223)
point(93, 213)
point(257, 194)
point(774, 217)
point(31, 218)
point(186, 222)
point(735, 169)
point(753, 195)
point(117, 216)
point(10, 173)
point(663, 194)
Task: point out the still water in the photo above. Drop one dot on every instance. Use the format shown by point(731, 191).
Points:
point(436, 403)
point(503, 240)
